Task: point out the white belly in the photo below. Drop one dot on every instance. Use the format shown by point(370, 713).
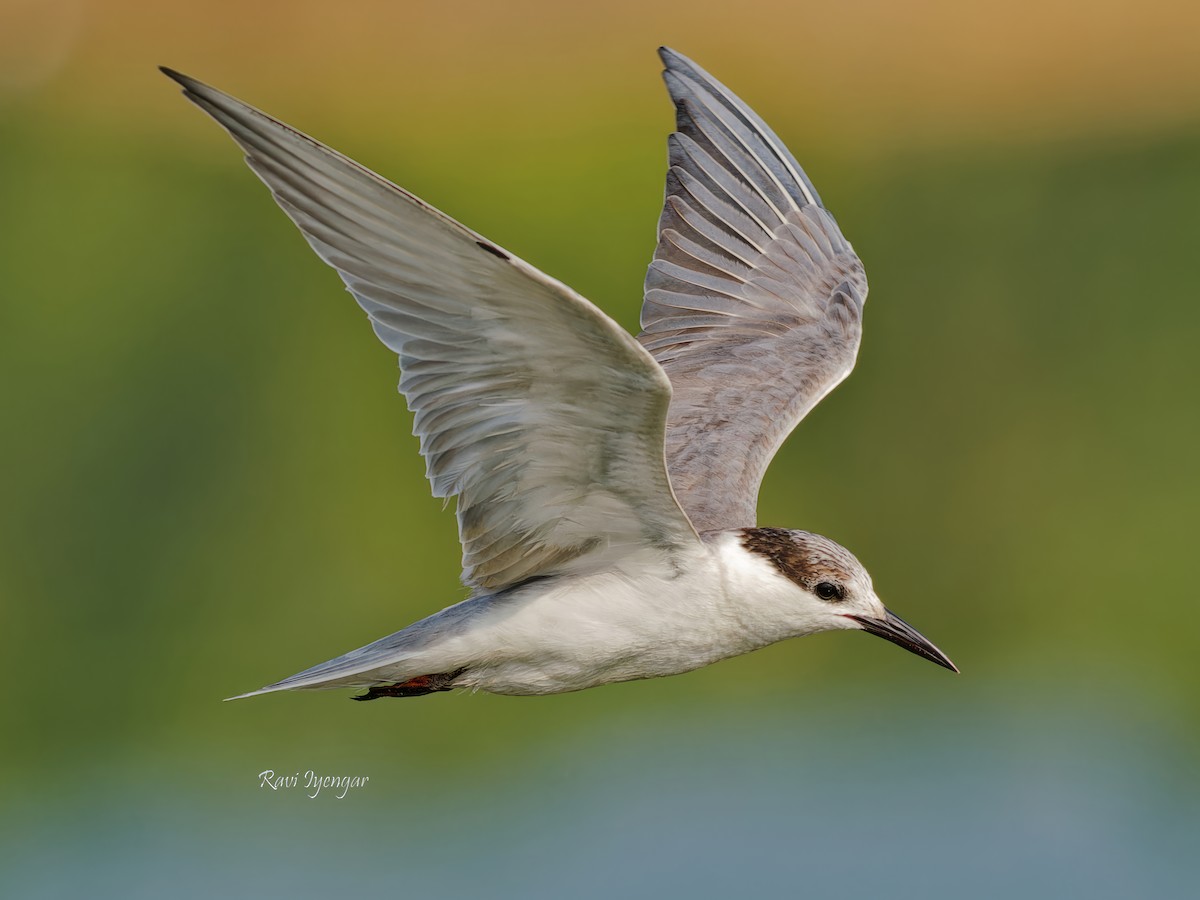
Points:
point(583, 631)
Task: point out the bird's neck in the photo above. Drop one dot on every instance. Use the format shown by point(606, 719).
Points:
point(765, 605)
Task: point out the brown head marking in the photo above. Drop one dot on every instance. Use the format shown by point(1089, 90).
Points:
point(807, 559)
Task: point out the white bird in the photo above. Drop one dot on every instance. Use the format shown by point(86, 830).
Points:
point(606, 487)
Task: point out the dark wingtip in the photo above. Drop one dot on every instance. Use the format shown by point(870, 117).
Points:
point(672, 59)
point(189, 84)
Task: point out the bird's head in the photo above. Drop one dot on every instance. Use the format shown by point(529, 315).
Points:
point(835, 589)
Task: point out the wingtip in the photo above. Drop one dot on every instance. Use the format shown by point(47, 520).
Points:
point(175, 76)
point(670, 57)
point(679, 71)
point(192, 89)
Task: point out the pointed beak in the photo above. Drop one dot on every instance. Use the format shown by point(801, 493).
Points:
point(893, 628)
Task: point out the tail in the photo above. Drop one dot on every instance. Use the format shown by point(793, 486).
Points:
point(380, 662)
point(398, 662)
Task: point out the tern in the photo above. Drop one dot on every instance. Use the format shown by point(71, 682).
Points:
point(606, 486)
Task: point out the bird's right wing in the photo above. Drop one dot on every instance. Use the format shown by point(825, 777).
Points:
point(753, 301)
point(541, 414)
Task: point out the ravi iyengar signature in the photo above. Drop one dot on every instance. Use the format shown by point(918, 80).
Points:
point(312, 783)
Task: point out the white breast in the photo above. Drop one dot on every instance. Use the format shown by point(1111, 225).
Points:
point(641, 620)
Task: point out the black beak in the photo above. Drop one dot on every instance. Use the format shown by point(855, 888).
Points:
point(893, 628)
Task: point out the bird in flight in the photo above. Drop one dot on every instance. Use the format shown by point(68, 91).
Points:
point(606, 485)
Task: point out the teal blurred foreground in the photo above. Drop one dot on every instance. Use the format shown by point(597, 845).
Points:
point(914, 800)
point(210, 484)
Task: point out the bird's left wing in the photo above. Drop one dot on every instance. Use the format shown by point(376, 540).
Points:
point(538, 412)
point(753, 303)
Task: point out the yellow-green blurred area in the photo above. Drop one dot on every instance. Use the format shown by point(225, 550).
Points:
point(209, 480)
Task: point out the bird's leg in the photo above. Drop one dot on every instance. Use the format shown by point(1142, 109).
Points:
point(414, 687)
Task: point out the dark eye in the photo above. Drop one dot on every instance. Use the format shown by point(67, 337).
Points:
point(827, 590)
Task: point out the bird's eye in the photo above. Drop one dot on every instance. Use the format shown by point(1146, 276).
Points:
point(827, 590)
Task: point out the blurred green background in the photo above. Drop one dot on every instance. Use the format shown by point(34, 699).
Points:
point(209, 481)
